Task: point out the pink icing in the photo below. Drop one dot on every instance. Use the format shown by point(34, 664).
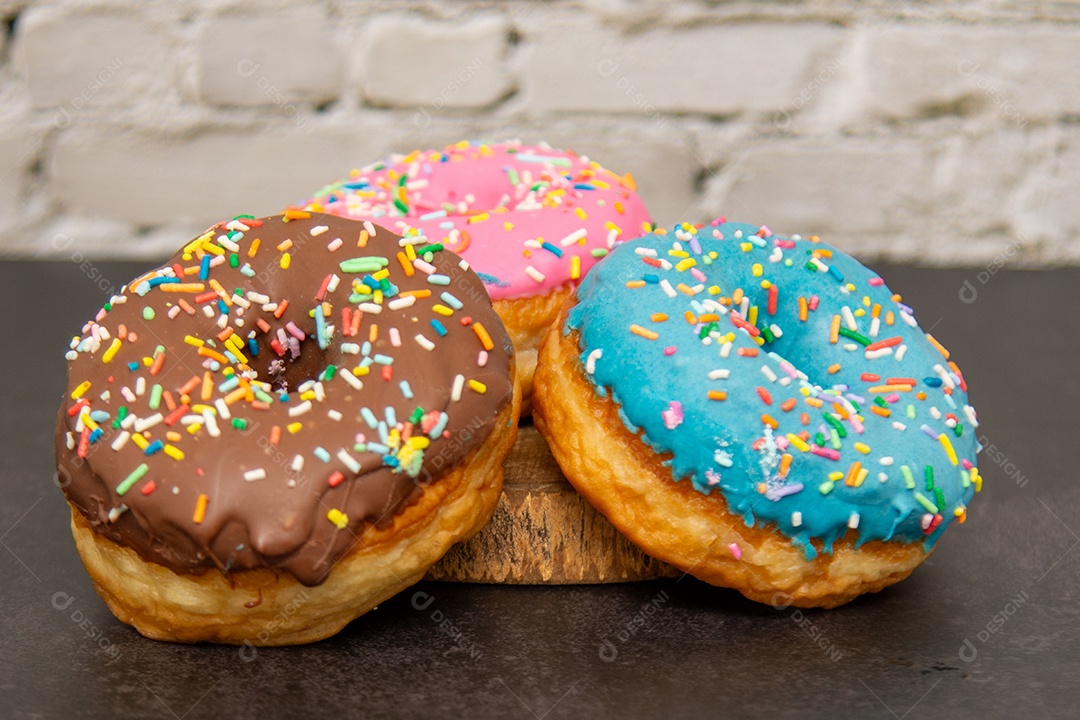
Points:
point(498, 204)
point(673, 416)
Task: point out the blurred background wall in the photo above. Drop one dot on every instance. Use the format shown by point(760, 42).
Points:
point(941, 133)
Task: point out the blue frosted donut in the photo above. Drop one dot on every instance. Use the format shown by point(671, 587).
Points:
point(785, 375)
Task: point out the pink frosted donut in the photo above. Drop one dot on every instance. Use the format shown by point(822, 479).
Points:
point(530, 219)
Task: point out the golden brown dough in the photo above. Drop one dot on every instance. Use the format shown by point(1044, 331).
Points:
point(671, 521)
point(272, 485)
point(262, 607)
point(527, 320)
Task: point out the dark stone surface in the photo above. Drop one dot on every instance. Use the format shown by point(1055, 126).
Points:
point(989, 626)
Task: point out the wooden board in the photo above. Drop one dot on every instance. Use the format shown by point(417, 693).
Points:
point(544, 533)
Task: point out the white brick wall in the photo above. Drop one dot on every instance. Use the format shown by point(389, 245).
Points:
point(914, 69)
point(408, 61)
point(16, 152)
point(932, 132)
point(857, 187)
point(258, 59)
point(575, 63)
point(86, 60)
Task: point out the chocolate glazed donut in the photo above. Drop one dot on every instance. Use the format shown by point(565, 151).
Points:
point(281, 403)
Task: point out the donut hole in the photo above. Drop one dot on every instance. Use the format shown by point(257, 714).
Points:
point(287, 370)
point(446, 185)
point(804, 344)
point(803, 351)
point(285, 373)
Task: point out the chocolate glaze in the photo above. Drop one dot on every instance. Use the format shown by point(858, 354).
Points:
point(279, 521)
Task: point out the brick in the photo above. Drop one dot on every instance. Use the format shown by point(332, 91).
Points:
point(1047, 211)
point(971, 200)
point(841, 192)
point(194, 181)
point(717, 144)
point(8, 8)
point(574, 64)
point(17, 151)
point(1016, 73)
point(410, 62)
point(79, 238)
point(245, 60)
point(76, 61)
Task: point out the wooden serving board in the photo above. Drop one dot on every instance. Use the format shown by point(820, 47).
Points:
point(544, 533)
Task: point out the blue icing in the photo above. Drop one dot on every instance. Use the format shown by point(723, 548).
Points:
point(727, 444)
point(492, 280)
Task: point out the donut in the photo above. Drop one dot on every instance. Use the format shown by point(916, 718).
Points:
point(285, 424)
point(531, 219)
point(759, 411)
